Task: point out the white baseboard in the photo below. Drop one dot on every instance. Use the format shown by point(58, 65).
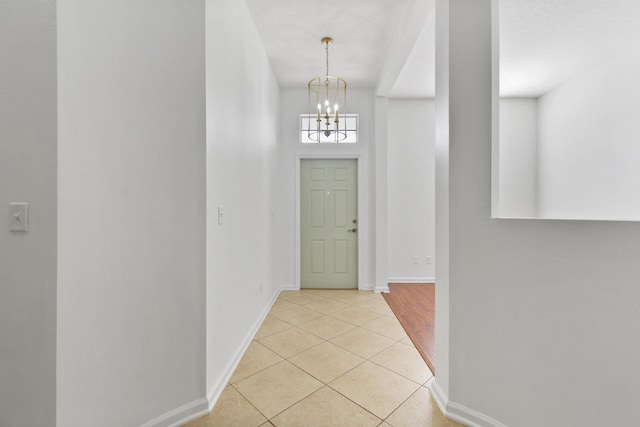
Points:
point(366, 288)
point(460, 413)
point(468, 416)
point(381, 289)
point(201, 407)
point(181, 415)
point(439, 396)
point(216, 390)
point(411, 280)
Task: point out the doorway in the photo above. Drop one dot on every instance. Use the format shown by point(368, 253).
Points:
point(328, 224)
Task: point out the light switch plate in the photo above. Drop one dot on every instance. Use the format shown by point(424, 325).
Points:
point(18, 216)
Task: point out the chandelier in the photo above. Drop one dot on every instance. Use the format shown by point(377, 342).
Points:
point(327, 97)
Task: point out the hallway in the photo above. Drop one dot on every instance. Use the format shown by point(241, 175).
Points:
point(329, 358)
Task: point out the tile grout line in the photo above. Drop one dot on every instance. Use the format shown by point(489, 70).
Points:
point(327, 384)
point(250, 403)
point(360, 304)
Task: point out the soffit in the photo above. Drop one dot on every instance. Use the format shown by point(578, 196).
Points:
point(543, 43)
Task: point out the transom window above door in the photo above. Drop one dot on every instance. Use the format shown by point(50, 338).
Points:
point(314, 132)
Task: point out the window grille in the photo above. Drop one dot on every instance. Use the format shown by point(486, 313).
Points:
point(347, 134)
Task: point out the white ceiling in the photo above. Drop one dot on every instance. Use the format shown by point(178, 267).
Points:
point(362, 30)
point(544, 43)
point(389, 44)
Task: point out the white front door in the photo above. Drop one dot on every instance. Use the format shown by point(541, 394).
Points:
point(328, 224)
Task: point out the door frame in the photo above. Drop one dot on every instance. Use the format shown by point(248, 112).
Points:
point(363, 225)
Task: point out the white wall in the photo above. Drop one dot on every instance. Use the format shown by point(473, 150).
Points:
point(293, 103)
point(28, 174)
point(588, 144)
point(411, 190)
point(131, 197)
point(379, 164)
point(242, 149)
point(518, 158)
point(540, 314)
point(571, 154)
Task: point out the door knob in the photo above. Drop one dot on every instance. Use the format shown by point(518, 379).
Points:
point(353, 230)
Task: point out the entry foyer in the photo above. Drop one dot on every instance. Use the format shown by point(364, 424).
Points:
point(329, 358)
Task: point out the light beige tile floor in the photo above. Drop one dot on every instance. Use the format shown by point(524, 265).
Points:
point(328, 359)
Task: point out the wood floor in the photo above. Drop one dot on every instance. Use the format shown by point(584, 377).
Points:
point(414, 306)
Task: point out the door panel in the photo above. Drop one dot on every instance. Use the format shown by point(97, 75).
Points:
point(341, 209)
point(341, 251)
point(317, 208)
point(328, 221)
point(317, 257)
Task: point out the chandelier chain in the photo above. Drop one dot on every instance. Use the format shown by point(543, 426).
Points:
point(326, 46)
